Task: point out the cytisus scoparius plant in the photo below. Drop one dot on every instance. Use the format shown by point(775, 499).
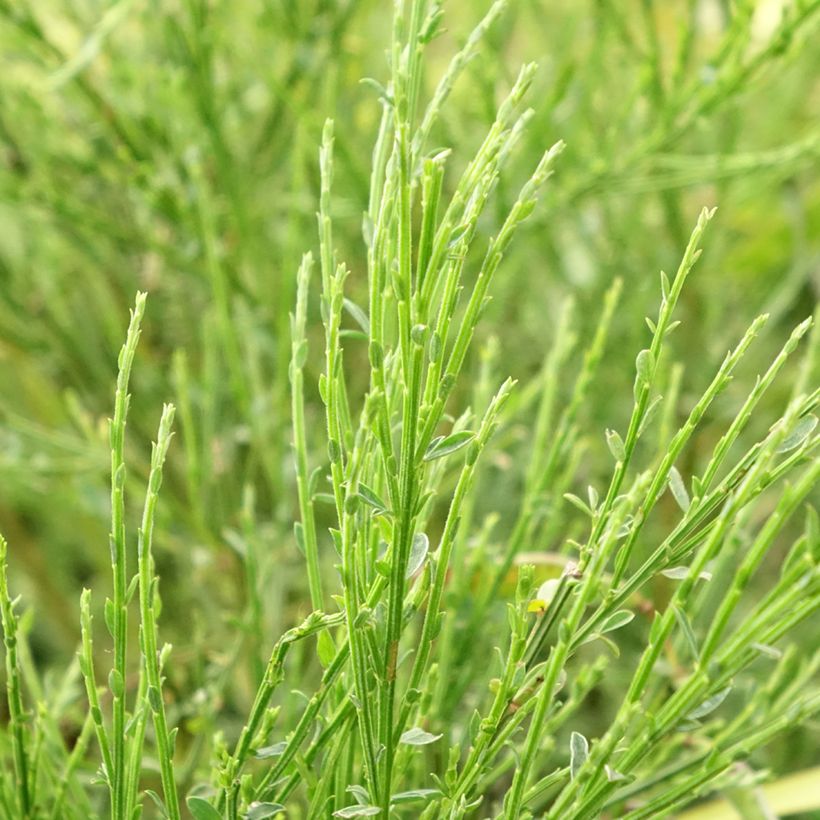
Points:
point(674, 586)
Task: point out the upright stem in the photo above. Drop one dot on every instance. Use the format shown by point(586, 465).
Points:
point(119, 561)
point(147, 583)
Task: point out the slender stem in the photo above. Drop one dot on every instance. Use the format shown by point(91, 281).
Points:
point(17, 714)
point(148, 631)
point(119, 561)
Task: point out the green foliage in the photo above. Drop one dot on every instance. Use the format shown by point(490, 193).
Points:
point(446, 532)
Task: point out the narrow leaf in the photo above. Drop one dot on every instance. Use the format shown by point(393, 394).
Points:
point(616, 445)
point(418, 552)
point(678, 489)
point(357, 811)
point(578, 753)
point(371, 498)
point(418, 737)
point(414, 794)
point(259, 811)
point(679, 573)
point(449, 444)
point(271, 751)
point(802, 430)
point(686, 628)
point(708, 706)
point(616, 620)
point(358, 315)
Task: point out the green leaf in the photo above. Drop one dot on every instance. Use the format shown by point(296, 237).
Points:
point(644, 367)
point(325, 649)
point(577, 502)
point(259, 811)
point(679, 573)
point(678, 489)
point(300, 353)
point(578, 753)
point(271, 751)
point(358, 315)
point(708, 706)
point(154, 699)
point(357, 811)
point(372, 498)
point(115, 683)
point(614, 776)
point(441, 447)
point(616, 620)
point(688, 632)
point(418, 737)
point(616, 445)
point(359, 793)
point(108, 614)
point(769, 651)
point(414, 794)
point(802, 430)
point(157, 800)
point(201, 809)
point(132, 588)
point(418, 552)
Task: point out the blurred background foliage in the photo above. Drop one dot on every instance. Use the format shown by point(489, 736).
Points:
point(171, 146)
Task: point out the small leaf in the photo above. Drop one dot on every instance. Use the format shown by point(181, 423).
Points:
point(457, 234)
point(357, 811)
point(300, 353)
point(644, 367)
point(688, 726)
point(678, 489)
point(449, 444)
point(201, 809)
point(649, 415)
point(380, 90)
point(679, 573)
point(358, 314)
point(616, 445)
point(577, 502)
point(260, 811)
point(132, 588)
point(115, 683)
point(418, 552)
point(157, 800)
point(665, 286)
point(802, 430)
point(614, 776)
point(687, 630)
point(359, 793)
point(371, 498)
point(349, 333)
point(325, 649)
point(271, 751)
point(708, 706)
point(418, 737)
point(413, 794)
point(769, 651)
point(578, 753)
point(616, 620)
point(108, 614)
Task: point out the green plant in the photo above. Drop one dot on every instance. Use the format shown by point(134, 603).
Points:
point(442, 493)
